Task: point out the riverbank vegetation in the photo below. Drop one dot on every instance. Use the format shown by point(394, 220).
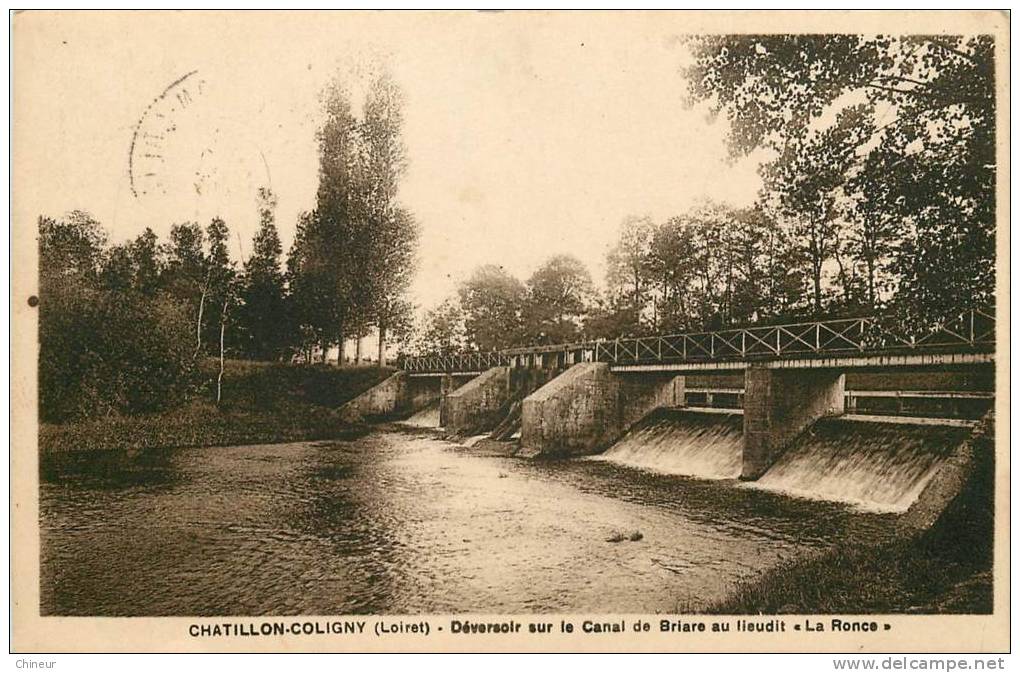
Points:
point(264, 403)
point(138, 339)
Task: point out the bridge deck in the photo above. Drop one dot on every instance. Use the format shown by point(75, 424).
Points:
point(969, 338)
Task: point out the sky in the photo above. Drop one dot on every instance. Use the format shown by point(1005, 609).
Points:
point(528, 135)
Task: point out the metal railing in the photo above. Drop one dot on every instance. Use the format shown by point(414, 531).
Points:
point(457, 362)
point(970, 330)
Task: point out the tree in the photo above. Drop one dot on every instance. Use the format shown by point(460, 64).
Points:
point(670, 270)
point(392, 270)
point(627, 274)
point(186, 275)
point(147, 259)
point(494, 303)
point(924, 154)
point(353, 259)
point(106, 346)
point(220, 275)
point(807, 180)
point(336, 247)
point(559, 295)
point(611, 317)
point(70, 250)
point(441, 331)
point(312, 309)
point(263, 316)
point(392, 234)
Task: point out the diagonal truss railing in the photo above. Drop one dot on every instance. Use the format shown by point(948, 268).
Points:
point(970, 330)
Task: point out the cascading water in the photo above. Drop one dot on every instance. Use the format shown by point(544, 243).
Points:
point(426, 418)
point(880, 466)
point(685, 442)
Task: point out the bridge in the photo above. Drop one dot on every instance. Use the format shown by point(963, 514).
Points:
point(579, 398)
point(867, 341)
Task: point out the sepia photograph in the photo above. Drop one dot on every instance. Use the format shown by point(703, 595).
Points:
point(523, 330)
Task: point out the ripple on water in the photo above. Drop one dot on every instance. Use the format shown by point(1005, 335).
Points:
point(398, 523)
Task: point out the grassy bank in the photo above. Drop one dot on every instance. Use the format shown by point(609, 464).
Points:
point(897, 577)
point(262, 403)
point(945, 569)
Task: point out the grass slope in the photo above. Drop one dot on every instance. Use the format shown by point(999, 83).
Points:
point(262, 403)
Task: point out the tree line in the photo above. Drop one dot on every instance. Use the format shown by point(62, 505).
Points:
point(713, 266)
point(123, 326)
point(878, 194)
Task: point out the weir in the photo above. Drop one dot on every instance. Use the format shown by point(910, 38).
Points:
point(691, 443)
point(788, 386)
point(588, 407)
point(880, 465)
point(463, 403)
point(491, 402)
point(401, 395)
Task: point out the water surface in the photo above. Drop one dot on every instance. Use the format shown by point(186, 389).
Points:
point(396, 522)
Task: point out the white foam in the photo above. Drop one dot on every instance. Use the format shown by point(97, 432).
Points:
point(875, 466)
point(687, 443)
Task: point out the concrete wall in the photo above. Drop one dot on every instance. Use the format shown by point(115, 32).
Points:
point(779, 405)
point(479, 404)
point(588, 407)
point(402, 394)
point(575, 413)
point(953, 477)
point(388, 398)
point(448, 384)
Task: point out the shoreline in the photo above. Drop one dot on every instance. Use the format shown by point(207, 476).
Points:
point(162, 433)
point(264, 403)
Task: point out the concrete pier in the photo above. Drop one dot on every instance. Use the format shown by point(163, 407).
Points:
point(479, 404)
point(779, 405)
point(588, 407)
point(391, 397)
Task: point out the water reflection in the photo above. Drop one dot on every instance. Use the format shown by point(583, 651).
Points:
point(399, 523)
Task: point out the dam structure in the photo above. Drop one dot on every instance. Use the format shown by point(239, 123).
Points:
point(750, 403)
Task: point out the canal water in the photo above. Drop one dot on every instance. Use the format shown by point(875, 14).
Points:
point(403, 522)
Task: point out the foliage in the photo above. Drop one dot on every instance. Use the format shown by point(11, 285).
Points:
point(884, 158)
point(264, 403)
point(627, 263)
point(219, 283)
point(352, 259)
point(106, 347)
point(559, 294)
point(493, 302)
point(263, 315)
point(441, 331)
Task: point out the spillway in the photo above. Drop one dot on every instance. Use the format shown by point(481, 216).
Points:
point(684, 442)
point(426, 418)
point(879, 466)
